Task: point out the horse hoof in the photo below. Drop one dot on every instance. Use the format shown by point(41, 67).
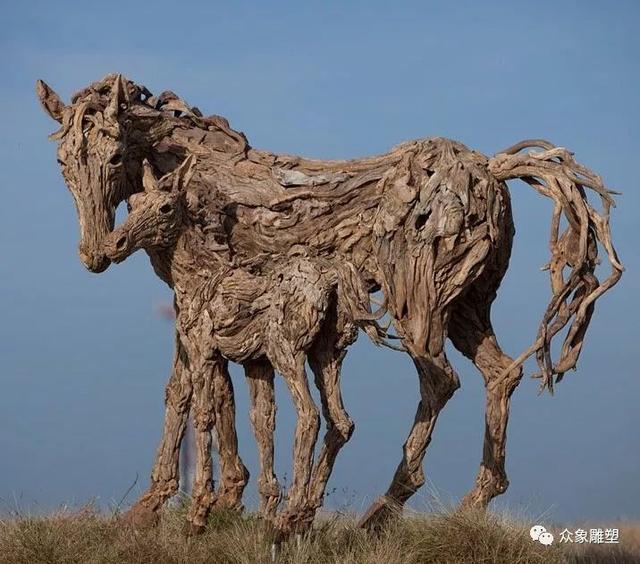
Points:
point(229, 501)
point(140, 518)
point(282, 528)
point(476, 500)
point(379, 514)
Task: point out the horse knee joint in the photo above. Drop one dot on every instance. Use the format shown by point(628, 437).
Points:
point(344, 428)
point(513, 379)
point(268, 487)
point(203, 420)
point(449, 386)
point(454, 383)
point(177, 397)
point(502, 485)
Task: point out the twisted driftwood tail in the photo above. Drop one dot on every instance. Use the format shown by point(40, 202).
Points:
point(553, 172)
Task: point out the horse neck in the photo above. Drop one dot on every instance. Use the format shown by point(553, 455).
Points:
point(168, 140)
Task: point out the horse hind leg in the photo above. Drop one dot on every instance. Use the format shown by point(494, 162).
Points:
point(471, 332)
point(438, 382)
point(260, 378)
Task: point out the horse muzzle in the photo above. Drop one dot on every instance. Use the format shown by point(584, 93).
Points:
point(94, 262)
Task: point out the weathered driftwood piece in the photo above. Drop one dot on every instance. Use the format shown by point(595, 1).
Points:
point(429, 224)
point(246, 318)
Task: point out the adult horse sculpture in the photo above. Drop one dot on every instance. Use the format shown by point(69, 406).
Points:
point(429, 224)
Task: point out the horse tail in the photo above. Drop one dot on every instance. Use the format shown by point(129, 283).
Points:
point(553, 172)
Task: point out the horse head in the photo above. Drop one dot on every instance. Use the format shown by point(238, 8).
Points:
point(100, 164)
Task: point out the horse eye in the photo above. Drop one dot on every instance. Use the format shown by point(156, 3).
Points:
point(166, 208)
point(115, 159)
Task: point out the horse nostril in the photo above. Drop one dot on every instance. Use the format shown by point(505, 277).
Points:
point(120, 243)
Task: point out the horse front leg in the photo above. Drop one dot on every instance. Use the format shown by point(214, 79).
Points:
point(234, 475)
point(202, 494)
point(165, 476)
point(212, 403)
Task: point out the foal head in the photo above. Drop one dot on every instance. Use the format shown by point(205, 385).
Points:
point(156, 216)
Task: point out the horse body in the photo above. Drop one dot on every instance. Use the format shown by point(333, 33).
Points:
point(433, 230)
point(429, 224)
point(431, 221)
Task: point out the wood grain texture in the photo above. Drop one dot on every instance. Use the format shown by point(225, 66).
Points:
point(274, 258)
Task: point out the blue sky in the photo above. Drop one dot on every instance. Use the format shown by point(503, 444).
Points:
point(85, 357)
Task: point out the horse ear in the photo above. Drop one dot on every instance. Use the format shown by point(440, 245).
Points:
point(184, 173)
point(51, 102)
point(119, 95)
point(149, 180)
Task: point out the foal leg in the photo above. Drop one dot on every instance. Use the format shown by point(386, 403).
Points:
point(438, 382)
point(165, 474)
point(326, 363)
point(213, 402)
point(471, 333)
point(260, 377)
point(306, 435)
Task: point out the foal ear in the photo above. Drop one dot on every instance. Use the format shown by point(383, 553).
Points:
point(51, 102)
point(184, 173)
point(149, 180)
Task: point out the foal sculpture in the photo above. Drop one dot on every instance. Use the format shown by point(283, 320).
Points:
point(428, 224)
point(282, 316)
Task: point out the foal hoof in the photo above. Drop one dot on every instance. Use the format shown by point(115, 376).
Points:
point(192, 529)
point(297, 523)
point(229, 496)
point(140, 518)
point(379, 514)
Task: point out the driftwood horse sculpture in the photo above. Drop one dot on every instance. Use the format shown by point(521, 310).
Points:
point(428, 224)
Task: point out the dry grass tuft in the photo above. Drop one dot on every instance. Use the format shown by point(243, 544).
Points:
point(88, 537)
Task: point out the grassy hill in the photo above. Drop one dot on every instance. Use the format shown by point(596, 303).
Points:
point(88, 537)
